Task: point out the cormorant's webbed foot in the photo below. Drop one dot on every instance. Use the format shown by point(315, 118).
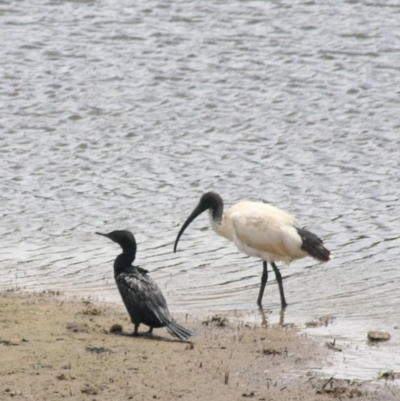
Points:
point(141, 334)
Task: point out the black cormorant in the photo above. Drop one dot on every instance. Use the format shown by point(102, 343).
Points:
point(143, 299)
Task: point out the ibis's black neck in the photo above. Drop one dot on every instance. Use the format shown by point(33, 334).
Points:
point(215, 204)
point(125, 259)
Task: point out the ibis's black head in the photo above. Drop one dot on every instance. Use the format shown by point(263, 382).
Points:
point(210, 200)
point(122, 237)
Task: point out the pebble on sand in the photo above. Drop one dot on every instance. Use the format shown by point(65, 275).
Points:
point(378, 336)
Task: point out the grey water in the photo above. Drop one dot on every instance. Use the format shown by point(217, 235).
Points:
point(120, 114)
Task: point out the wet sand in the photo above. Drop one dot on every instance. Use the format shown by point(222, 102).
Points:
point(53, 349)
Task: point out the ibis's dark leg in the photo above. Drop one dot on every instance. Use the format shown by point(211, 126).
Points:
point(279, 280)
point(150, 330)
point(264, 279)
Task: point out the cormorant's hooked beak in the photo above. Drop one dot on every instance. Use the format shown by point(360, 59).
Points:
point(200, 208)
point(104, 235)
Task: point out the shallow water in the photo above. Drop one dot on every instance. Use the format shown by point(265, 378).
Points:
point(121, 115)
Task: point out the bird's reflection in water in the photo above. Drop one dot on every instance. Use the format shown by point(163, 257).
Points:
point(282, 317)
point(264, 312)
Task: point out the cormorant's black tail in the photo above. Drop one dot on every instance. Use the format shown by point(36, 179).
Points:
point(313, 245)
point(178, 331)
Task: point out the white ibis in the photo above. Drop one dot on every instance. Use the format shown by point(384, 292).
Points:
point(143, 299)
point(260, 230)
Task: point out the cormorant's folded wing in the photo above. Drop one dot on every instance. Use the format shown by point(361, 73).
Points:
point(140, 292)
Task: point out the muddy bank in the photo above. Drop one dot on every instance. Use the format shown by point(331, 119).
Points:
point(51, 348)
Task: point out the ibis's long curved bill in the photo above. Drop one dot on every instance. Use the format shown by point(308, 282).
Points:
point(200, 208)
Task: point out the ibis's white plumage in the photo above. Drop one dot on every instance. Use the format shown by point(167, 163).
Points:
point(260, 230)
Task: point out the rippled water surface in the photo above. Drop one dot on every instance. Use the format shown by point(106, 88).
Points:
point(121, 114)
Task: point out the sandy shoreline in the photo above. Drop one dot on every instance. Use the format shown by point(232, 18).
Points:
point(52, 348)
